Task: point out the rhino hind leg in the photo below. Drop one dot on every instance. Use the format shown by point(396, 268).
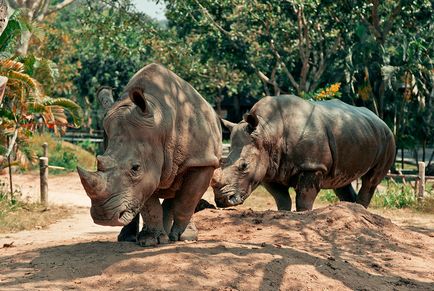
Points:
point(195, 183)
point(366, 192)
point(129, 232)
point(346, 193)
point(153, 232)
point(280, 195)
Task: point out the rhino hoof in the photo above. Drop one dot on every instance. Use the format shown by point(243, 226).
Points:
point(190, 233)
point(127, 237)
point(147, 238)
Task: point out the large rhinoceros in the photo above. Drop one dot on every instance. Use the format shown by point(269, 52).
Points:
point(286, 141)
point(164, 141)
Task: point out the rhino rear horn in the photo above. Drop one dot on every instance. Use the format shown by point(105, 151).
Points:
point(105, 97)
point(138, 98)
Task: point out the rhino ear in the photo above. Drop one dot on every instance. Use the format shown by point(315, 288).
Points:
point(252, 120)
point(226, 123)
point(105, 97)
point(137, 96)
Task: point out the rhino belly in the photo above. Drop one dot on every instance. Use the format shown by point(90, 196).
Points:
point(341, 179)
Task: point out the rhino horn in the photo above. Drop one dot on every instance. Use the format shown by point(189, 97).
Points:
point(105, 97)
point(93, 183)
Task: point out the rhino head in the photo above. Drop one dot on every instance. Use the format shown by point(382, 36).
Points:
point(129, 171)
point(245, 166)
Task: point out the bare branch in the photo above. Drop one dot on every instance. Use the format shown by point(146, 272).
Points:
point(285, 69)
point(209, 16)
point(59, 6)
point(42, 10)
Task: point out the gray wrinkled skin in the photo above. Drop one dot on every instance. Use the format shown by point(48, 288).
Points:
point(286, 141)
point(163, 141)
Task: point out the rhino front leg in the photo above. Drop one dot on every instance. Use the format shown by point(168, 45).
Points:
point(129, 232)
point(195, 183)
point(280, 195)
point(307, 189)
point(153, 232)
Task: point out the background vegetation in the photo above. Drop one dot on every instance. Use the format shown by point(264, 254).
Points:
point(56, 54)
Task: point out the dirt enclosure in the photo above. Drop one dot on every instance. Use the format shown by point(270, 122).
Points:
point(337, 247)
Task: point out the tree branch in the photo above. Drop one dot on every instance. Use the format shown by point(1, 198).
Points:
point(391, 18)
point(209, 16)
point(285, 69)
point(13, 4)
point(42, 11)
point(59, 6)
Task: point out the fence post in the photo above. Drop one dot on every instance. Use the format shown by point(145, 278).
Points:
point(421, 167)
point(43, 171)
point(45, 150)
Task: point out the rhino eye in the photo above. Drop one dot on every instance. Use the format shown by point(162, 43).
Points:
point(243, 166)
point(135, 168)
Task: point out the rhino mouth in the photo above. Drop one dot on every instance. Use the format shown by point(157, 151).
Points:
point(113, 216)
point(225, 197)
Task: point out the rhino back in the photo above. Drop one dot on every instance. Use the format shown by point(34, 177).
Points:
point(341, 140)
point(190, 126)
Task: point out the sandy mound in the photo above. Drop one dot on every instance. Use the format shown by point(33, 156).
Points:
point(338, 247)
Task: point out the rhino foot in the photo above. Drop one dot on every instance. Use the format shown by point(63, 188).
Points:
point(190, 233)
point(129, 231)
point(148, 238)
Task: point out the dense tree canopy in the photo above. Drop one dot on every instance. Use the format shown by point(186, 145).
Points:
point(373, 53)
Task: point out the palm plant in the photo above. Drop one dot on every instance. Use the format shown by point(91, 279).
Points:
point(25, 107)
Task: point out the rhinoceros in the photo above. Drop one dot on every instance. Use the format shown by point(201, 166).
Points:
point(286, 141)
point(163, 142)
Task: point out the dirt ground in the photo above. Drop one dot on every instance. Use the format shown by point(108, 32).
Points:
point(335, 247)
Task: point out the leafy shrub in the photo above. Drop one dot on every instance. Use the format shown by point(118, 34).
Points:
point(395, 196)
point(328, 196)
point(88, 146)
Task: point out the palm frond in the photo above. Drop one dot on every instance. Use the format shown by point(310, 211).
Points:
point(70, 106)
point(26, 80)
point(7, 65)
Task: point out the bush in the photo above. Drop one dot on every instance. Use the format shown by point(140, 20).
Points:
point(328, 196)
point(61, 153)
point(395, 196)
point(89, 146)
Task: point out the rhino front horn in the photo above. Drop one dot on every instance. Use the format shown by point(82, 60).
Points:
point(93, 183)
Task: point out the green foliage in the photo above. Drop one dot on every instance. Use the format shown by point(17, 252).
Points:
point(15, 27)
point(395, 195)
point(88, 146)
point(65, 159)
point(328, 196)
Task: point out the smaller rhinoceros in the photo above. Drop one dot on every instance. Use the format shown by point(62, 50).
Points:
point(286, 141)
point(163, 142)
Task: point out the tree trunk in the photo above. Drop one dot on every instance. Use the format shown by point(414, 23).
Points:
point(23, 45)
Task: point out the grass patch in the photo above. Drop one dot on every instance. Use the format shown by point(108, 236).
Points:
point(17, 215)
point(61, 153)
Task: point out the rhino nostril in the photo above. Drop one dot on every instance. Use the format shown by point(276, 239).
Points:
point(234, 199)
point(122, 214)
